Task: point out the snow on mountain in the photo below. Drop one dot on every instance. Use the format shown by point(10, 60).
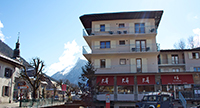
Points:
point(71, 73)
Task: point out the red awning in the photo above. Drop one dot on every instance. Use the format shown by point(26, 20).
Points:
point(125, 80)
point(177, 79)
point(146, 79)
point(105, 80)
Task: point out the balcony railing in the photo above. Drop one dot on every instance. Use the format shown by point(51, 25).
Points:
point(101, 49)
point(119, 30)
point(171, 61)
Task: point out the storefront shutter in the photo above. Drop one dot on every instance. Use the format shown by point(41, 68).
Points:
point(107, 27)
point(96, 44)
point(108, 63)
point(97, 63)
point(97, 28)
point(133, 66)
point(190, 55)
point(113, 44)
point(144, 65)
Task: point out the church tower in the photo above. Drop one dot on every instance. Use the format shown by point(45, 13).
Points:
point(16, 54)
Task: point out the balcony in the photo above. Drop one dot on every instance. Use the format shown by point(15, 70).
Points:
point(119, 31)
point(171, 62)
point(128, 48)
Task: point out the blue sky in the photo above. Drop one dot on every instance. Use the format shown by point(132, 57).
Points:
point(51, 29)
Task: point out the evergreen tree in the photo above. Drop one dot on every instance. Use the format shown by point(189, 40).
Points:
point(87, 84)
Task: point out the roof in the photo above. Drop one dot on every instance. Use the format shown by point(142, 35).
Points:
point(88, 18)
point(9, 60)
point(180, 50)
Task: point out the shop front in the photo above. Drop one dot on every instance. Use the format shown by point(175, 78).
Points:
point(125, 88)
point(178, 83)
point(145, 84)
point(105, 86)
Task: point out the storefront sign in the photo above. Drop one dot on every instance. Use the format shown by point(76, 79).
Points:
point(125, 80)
point(146, 79)
point(105, 80)
point(177, 79)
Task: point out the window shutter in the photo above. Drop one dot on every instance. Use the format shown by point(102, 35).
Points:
point(149, 44)
point(190, 55)
point(132, 44)
point(191, 69)
point(3, 91)
point(9, 88)
point(97, 63)
point(144, 65)
point(97, 27)
point(107, 27)
point(113, 44)
point(131, 28)
point(96, 44)
point(133, 65)
point(108, 63)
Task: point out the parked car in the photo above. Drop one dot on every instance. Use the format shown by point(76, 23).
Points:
point(156, 100)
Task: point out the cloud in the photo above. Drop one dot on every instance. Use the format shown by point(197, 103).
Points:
point(195, 17)
point(197, 36)
point(68, 58)
point(2, 37)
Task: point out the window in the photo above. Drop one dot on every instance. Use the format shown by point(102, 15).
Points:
point(195, 55)
point(139, 64)
point(122, 42)
point(174, 59)
point(106, 89)
point(103, 63)
point(125, 89)
point(121, 25)
point(140, 45)
point(5, 91)
point(145, 88)
point(104, 44)
point(176, 70)
point(139, 28)
point(122, 61)
point(102, 27)
point(197, 69)
point(8, 72)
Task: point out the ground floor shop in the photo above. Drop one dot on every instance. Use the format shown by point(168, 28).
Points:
point(132, 88)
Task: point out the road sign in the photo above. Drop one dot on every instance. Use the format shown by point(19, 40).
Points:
point(23, 87)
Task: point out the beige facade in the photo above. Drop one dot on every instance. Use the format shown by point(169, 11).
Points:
point(124, 51)
point(8, 70)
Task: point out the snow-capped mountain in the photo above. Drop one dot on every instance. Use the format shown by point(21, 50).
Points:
point(73, 74)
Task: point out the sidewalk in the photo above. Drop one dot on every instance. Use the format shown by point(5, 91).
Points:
point(10, 105)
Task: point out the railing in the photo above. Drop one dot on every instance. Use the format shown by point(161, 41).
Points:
point(171, 62)
point(121, 30)
point(40, 102)
point(100, 49)
point(182, 99)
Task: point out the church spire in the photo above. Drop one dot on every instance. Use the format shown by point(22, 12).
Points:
point(16, 54)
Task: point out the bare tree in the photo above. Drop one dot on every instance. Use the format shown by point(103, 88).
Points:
point(191, 42)
point(35, 80)
point(180, 44)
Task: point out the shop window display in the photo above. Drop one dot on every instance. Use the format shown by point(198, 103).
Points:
point(125, 89)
